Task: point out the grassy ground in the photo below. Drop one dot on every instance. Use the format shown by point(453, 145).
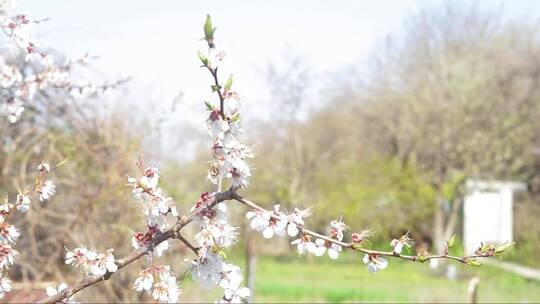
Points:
point(347, 280)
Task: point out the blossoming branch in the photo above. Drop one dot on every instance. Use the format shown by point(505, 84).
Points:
point(43, 188)
point(229, 163)
point(27, 70)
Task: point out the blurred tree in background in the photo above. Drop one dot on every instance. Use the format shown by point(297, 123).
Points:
point(455, 96)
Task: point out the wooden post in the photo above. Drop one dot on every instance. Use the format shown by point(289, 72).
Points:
point(251, 261)
point(473, 289)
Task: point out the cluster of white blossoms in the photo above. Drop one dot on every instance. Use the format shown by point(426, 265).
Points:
point(212, 270)
point(17, 27)
point(155, 204)
point(159, 282)
point(215, 231)
point(8, 232)
point(19, 85)
point(26, 70)
point(277, 222)
point(229, 154)
point(93, 263)
point(229, 161)
point(337, 228)
point(280, 223)
point(7, 256)
point(215, 235)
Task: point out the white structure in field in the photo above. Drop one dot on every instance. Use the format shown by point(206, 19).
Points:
point(487, 213)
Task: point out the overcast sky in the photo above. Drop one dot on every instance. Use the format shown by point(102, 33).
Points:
point(156, 42)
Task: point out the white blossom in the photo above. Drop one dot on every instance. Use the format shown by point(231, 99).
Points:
point(304, 245)
point(276, 227)
point(7, 255)
point(323, 246)
point(52, 291)
point(230, 277)
point(93, 263)
point(216, 57)
point(207, 271)
point(9, 75)
point(235, 295)
point(144, 282)
point(160, 248)
point(160, 282)
point(278, 224)
point(296, 219)
point(225, 235)
point(166, 291)
point(240, 175)
point(5, 286)
point(216, 125)
point(150, 178)
point(155, 206)
point(44, 167)
point(8, 233)
point(375, 263)
point(230, 281)
point(338, 227)
point(398, 244)
point(23, 202)
point(218, 234)
point(260, 219)
point(46, 190)
point(13, 109)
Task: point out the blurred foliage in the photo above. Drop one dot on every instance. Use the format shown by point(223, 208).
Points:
point(378, 194)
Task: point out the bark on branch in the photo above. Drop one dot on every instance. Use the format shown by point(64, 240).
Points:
point(172, 233)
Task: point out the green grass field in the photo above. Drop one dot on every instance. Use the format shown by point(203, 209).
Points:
point(347, 280)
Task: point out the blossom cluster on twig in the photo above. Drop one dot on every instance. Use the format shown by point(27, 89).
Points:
point(43, 188)
point(155, 205)
point(23, 83)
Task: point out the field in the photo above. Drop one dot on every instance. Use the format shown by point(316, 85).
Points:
point(347, 280)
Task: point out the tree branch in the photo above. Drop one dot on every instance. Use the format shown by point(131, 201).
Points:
point(89, 281)
point(218, 90)
point(356, 247)
point(187, 243)
point(173, 232)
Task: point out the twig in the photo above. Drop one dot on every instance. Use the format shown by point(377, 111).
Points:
point(355, 247)
point(218, 90)
point(187, 243)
